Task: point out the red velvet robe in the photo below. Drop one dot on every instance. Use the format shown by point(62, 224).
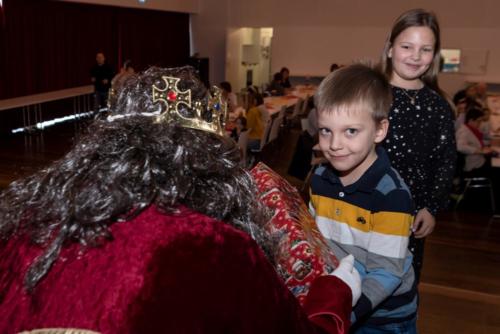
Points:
point(183, 273)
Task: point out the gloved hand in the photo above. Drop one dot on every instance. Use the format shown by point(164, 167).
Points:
point(350, 276)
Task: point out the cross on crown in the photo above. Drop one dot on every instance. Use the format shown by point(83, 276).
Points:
point(172, 97)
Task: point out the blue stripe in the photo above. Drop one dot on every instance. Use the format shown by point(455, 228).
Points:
point(399, 312)
point(385, 279)
point(390, 193)
point(401, 183)
point(319, 170)
point(386, 185)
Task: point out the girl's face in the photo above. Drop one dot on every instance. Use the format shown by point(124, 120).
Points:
point(411, 54)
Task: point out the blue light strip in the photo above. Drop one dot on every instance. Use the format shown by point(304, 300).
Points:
point(52, 122)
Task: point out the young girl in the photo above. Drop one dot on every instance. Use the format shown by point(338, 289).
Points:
point(421, 140)
point(241, 125)
point(254, 121)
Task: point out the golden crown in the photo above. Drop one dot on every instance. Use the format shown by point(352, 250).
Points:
point(209, 113)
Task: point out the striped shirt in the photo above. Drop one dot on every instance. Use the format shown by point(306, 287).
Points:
point(371, 219)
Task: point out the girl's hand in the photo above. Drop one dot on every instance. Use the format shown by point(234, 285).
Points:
point(424, 223)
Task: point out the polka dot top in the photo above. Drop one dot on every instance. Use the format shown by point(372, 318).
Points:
point(421, 145)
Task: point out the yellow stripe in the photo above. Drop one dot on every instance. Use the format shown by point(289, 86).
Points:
point(341, 212)
point(384, 222)
point(394, 223)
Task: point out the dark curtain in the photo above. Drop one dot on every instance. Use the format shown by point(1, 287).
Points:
point(153, 38)
point(50, 45)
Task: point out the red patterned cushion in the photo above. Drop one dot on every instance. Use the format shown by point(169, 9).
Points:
point(303, 254)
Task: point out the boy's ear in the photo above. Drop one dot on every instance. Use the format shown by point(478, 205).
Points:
point(381, 132)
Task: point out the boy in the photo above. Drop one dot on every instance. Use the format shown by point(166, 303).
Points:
point(470, 143)
point(361, 205)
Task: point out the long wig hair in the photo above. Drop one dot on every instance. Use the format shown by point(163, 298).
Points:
point(122, 166)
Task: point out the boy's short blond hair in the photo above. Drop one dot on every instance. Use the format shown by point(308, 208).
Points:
point(354, 85)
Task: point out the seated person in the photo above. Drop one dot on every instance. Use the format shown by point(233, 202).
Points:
point(275, 88)
point(285, 78)
point(126, 71)
point(254, 121)
point(334, 67)
point(462, 106)
point(259, 101)
point(149, 225)
point(116, 84)
point(468, 92)
point(228, 95)
point(470, 143)
point(482, 93)
point(240, 126)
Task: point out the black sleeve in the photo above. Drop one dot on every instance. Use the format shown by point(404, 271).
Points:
point(444, 161)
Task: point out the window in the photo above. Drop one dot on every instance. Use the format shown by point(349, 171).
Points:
point(451, 60)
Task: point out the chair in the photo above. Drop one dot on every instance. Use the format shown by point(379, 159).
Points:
point(315, 162)
point(471, 182)
point(243, 144)
point(265, 135)
point(305, 106)
point(255, 154)
point(282, 111)
point(275, 129)
point(304, 124)
point(264, 113)
point(296, 111)
point(474, 183)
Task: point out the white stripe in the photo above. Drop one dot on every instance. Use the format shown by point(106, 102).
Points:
point(312, 211)
point(382, 244)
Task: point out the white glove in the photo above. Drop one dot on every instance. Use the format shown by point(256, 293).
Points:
point(350, 276)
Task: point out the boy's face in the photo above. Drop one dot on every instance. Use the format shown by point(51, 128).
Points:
point(348, 137)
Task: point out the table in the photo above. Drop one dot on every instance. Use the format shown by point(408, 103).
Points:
point(275, 103)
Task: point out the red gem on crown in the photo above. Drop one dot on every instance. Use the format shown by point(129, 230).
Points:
point(171, 96)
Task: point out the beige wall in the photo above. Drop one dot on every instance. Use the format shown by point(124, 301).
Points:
point(209, 29)
point(310, 35)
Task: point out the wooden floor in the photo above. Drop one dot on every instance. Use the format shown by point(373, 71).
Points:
point(460, 288)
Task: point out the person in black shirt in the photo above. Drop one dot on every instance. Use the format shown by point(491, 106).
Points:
point(101, 75)
point(285, 78)
point(421, 138)
point(275, 88)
